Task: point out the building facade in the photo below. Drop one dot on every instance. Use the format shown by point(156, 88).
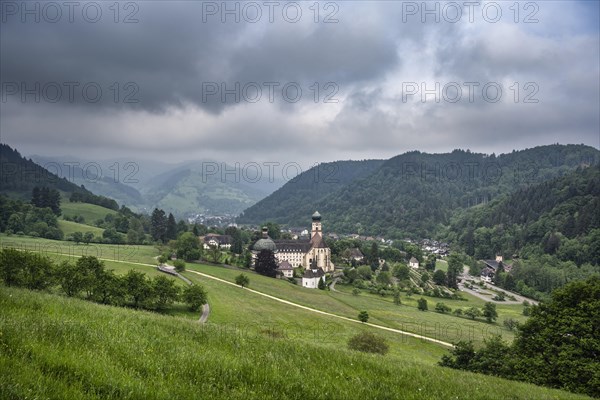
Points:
point(307, 253)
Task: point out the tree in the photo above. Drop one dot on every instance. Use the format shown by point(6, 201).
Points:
point(139, 291)
point(11, 267)
point(365, 272)
point(439, 277)
point(458, 312)
point(77, 237)
point(558, 345)
point(187, 247)
point(265, 263)
point(165, 292)
point(442, 308)
point(87, 237)
point(472, 312)
point(70, 278)
point(363, 316)
point(489, 312)
point(368, 342)
point(402, 272)
point(422, 304)
point(179, 265)
point(397, 300)
point(171, 229)
point(321, 284)
point(355, 291)
point(194, 296)
point(425, 278)
point(455, 267)
point(511, 324)
point(112, 236)
point(430, 264)
point(384, 278)
point(91, 269)
point(461, 356)
point(158, 225)
point(214, 254)
point(274, 230)
point(242, 280)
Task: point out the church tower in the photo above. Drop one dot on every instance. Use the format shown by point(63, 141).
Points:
point(316, 225)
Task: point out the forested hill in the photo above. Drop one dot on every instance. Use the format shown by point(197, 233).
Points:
point(294, 203)
point(560, 217)
point(18, 175)
point(415, 194)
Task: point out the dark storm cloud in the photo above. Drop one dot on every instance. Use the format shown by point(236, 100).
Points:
point(171, 54)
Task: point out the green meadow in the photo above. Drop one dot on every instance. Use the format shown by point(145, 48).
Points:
point(62, 348)
point(90, 212)
point(68, 227)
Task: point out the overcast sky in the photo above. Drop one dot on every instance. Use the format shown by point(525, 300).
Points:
point(162, 68)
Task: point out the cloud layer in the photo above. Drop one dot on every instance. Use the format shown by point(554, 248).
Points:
point(376, 83)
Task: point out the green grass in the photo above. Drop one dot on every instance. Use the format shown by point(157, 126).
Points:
point(90, 212)
point(61, 348)
point(127, 253)
point(441, 264)
point(381, 311)
point(68, 227)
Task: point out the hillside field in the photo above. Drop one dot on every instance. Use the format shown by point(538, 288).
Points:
point(69, 227)
point(62, 348)
point(90, 212)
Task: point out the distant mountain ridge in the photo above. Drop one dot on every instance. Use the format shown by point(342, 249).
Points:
point(415, 194)
point(19, 175)
point(292, 203)
point(184, 189)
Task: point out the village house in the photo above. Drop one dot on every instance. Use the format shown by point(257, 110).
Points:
point(413, 263)
point(488, 273)
point(354, 254)
point(215, 240)
point(311, 278)
point(285, 270)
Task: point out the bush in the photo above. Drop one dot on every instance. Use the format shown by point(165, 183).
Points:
point(242, 280)
point(179, 265)
point(368, 343)
point(363, 316)
point(194, 296)
point(511, 324)
point(442, 308)
point(422, 304)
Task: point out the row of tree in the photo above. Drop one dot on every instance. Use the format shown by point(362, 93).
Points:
point(19, 217)
point(88, 278)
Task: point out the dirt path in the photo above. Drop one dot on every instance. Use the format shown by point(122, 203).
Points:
point(325, 313)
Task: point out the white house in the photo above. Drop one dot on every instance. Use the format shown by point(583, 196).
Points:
point(285, 269)
point(214, 240)
point(311, 278)
point(413, 263)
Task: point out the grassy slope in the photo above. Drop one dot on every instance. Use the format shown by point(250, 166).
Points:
point(60, 348)
point(90, 212)
point(382, 311)
point(68, 227)
point(128, 253)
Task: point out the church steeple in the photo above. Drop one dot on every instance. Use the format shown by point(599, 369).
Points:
point(316, 225)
